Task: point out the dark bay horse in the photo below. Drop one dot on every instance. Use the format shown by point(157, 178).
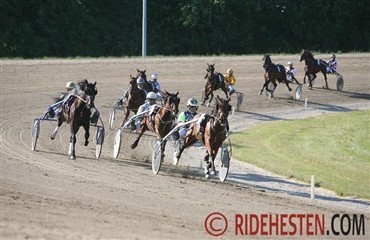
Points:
point(214, 81)
point(215, 133)
point(313, 66)
point(273, 73)
point(77, 113)
point(163, 119)
point(136, 97)
point(147, 86)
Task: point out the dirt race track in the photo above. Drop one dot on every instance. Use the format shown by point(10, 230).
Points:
point(44, 195)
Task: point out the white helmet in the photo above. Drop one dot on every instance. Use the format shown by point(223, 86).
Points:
point(70, 85)
point(229, 71)
point(151, 95)
point(140, 80)
point(290, 63)
point(154, 76)
point(192, 102)
point(333, 55)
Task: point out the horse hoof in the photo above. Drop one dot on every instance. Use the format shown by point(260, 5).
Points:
point(52, 138)
point(72, 157)
point(207, 104)
point(260, 93)
point(207, 176)
point(133, 146)
point(86, 143)
point(213, 172)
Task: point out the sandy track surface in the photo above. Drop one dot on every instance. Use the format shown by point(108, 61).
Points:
point(46, 195)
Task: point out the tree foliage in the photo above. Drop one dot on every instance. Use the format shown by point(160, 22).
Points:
point(68, 28)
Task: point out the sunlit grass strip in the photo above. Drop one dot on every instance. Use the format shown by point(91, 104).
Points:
point(335, 148)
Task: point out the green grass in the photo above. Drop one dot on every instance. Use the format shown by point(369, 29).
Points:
point(335, 148)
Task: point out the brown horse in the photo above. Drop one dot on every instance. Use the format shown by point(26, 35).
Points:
point(163, 119)
point(214, 81)
point(136, 97)
point(273, 73)
point(76, 111)
point(313, 66)
point(147, 86)
point(215, 133)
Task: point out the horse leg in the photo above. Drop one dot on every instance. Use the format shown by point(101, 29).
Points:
point(187, 142)
point(326, 80)
point(263, 87)
point(163, 148)
point(287, 84)
point(272, 92)
point(127, 113)
point(87, 134)
point(143, 129)
point(72, 141)
point(54, 133)
point(207, 164)
point(212, 163)
point(210, 99)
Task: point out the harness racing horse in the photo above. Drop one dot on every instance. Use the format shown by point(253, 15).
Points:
point(273, 73)
point(147, 86)
point(313, 66)
point(163, 119)
point(215, 133)
point(214, 81)
point(77, 113)
point(136, 97)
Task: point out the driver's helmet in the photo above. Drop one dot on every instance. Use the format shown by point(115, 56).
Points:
point(333, 56)
point(192, 102)
point(290, 63)
point(70, 86)
point(151, 96)
point(229, 71)
point(154, 77)
point(192, 105)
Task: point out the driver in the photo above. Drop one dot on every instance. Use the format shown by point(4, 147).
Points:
point(186, 116)
point(72, 90)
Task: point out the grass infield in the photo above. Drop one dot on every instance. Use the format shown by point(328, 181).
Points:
point(335, 148)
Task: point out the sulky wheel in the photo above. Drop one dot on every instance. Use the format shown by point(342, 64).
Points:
point(35, 133)
point(99, 137)
point(298, 93)
point(157, 156)
point(117, 143)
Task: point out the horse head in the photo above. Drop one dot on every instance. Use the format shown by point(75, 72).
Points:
point(90, 92)
point(211, 68)
point(173, 101)
point(306, 55)
point(266, 61)
point(141, 74)
point(222, 109)
point(133, 83)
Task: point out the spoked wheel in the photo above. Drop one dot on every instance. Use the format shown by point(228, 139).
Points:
point(239, 100)
point(112, 115)
point(298, 93)
point(226, 151)
point(157, 156)
point(177, 150)
point(340, 83)
point(99, 137)
point(225, 163)
point(270, 88)
point(117, 143)
point(35, 133)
